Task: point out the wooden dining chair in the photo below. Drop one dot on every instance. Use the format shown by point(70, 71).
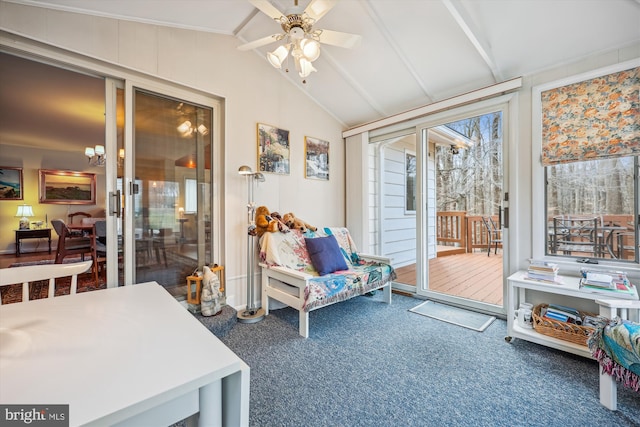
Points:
point(80, 215)
point(68, 243)
point(32, 273)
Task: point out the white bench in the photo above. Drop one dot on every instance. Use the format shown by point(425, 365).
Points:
point(288, 275)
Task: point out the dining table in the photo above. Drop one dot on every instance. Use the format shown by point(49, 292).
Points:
point(125, 356)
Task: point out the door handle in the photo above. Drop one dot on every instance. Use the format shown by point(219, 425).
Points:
point(114, 203)
point(506, 218)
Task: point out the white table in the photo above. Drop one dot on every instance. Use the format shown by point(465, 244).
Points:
point(130, 356)
point(519, 284)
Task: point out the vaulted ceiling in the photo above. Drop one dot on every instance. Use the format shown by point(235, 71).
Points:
point(413, 52)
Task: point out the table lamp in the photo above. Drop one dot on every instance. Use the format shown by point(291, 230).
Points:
point(24, 211)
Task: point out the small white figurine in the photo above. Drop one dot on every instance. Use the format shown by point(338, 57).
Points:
point(210, 298)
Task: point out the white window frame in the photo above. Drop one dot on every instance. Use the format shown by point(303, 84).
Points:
point(538, 214)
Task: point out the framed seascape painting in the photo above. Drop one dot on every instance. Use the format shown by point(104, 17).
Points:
point(11, 184)
point(67, 187)
point(316, 157)
point(273, 149)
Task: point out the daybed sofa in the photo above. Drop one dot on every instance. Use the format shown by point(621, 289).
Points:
point(292, 262)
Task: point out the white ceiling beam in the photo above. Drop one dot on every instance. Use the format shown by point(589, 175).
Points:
point(396, 48)
point(462, 18)
point(445, 104)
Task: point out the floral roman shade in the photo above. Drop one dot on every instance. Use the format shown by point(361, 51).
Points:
point(592, 119)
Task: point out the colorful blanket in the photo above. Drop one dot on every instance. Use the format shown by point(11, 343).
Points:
point(615, 344)
point(289, 250)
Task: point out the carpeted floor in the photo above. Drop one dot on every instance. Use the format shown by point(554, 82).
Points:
point(370, 364)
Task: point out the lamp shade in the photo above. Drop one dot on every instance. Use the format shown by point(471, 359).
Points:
point(277, 57)
point(310, 49)
point(89, 152)
point(245, 170)
point(306, 68)
point(24, 211)
point(99, 150)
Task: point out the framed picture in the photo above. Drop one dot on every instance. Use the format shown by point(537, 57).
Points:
point(316, 158)
point(273, 149)
point(67, 187)
point(11, 184)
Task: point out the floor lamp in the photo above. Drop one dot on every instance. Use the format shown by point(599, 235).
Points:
point(251, 314)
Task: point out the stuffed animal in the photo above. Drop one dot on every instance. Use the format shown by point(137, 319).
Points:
point(266, 222)
point(296, 223)
point(210, 298)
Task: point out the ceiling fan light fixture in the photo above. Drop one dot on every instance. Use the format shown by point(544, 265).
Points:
point(296, 33)
point(277, 57)
point(306, 68)
point(310, 49)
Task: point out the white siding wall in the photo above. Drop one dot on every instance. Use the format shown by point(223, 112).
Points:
point(398, 226)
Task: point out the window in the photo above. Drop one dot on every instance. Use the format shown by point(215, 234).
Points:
point(591, 206)
point(587, 130)
point(410, 182)
point(190, 195)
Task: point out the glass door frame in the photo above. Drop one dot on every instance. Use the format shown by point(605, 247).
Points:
point(507, 104)
point(217, 178)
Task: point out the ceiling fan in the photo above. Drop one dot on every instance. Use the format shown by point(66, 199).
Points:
point(301, 40)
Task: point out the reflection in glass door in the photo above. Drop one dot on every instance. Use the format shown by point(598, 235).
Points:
point(171, 206)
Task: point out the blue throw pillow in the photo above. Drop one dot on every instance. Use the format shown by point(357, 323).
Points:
point(325, 254)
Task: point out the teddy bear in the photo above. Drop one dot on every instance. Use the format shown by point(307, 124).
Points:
point(210, 299)
point(296, 223)
point(267, 222)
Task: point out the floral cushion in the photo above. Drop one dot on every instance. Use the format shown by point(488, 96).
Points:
point(289, 250)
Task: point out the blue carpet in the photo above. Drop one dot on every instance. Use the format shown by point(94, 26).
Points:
point(370, 364)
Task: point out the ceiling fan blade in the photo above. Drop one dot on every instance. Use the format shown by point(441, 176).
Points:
point(318, 8)
point(260, 42)
point(267, 8)
point(337, 38)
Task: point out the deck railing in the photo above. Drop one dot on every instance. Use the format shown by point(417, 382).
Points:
point(467, 232)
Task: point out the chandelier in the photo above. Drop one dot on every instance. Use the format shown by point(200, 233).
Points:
point(300, 42)
point(97, 156)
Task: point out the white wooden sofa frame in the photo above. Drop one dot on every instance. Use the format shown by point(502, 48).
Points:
point(32, 273)
point(625, 309)
point(275, 278)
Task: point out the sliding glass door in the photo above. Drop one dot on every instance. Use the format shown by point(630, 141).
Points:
point(170, 189)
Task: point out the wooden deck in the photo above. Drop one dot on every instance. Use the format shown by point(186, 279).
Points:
point(474, 276)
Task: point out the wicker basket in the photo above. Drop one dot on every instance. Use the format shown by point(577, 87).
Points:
point(571, 332)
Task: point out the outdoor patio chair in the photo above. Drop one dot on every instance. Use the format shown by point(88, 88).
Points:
point(494, 234)
point(576, 234)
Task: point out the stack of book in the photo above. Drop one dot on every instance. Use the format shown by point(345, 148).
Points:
point(611, 283)
point(562, 313)
point(543, 271)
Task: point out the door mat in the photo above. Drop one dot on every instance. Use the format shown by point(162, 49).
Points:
point(457, 316)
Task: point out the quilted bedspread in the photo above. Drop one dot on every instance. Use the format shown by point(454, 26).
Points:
point(289, 250)
point(616, 345)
